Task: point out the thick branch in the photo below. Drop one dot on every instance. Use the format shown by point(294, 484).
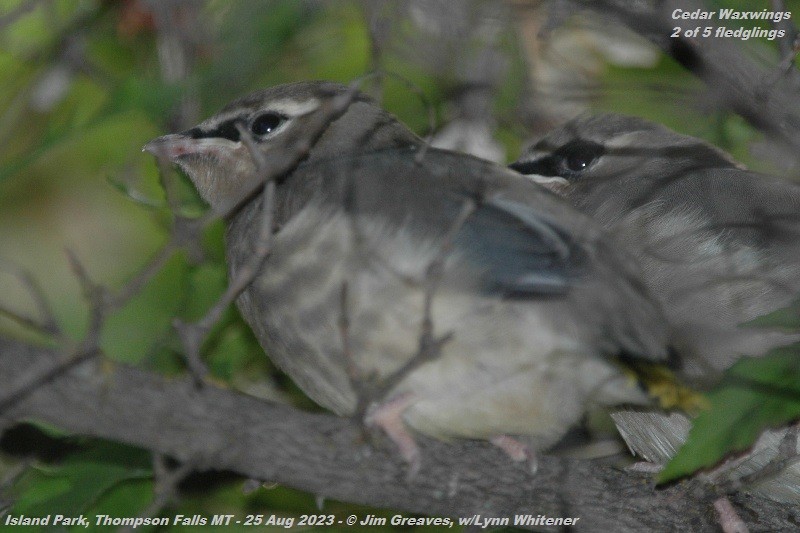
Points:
point(219, 429)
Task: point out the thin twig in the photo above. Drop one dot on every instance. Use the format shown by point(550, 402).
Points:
point(344, 332)
point(287, 160)
point(379, 29)
point(47, 322)
point(429, 346)
point(267, 171)
point(101, 304)
point(168, 183)
point(787, 457)
point(20, 11)
point(143, 276)
point(25, 321)
point(192, 334)
point(166, 487)
point(39, 375)
point(95, 294)
point(85, 350)
point(789, 45)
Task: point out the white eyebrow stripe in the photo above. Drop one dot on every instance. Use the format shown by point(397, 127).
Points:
point(288, 107)
point(213, 122)
point(293, 108)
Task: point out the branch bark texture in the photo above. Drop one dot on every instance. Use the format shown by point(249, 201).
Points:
point(219, 429)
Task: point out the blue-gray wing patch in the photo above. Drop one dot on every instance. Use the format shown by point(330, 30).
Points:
point(521, 253)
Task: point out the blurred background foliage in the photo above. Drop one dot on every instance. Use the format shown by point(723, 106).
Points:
point(85, 83)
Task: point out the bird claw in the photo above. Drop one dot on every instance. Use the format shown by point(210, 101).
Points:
point(518, 451)
point(388, 417)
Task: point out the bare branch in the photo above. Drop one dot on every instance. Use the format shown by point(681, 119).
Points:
point(344, 333)
point(430, 346)
point(37, 376)
point(25, 321)
point(789, 45)
point(20, 11)
point(263, 179)
point(166, 486)
point(323, 454)
point(736, 80)
point(101, 304)
point(95, 294)
point(786, 458)
point(286, 160)
point(379, 17)
point(47, 321)
point(141, 278)
point(192, 335)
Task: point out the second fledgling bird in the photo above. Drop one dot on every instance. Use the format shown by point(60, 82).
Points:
point(719, 246)
point(537, 312)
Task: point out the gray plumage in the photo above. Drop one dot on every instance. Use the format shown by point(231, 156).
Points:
point(542, 307)
point(719, 245)
point(657, 437)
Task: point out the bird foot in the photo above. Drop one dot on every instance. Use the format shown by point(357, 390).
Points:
point(517, 451)
point(388, 417)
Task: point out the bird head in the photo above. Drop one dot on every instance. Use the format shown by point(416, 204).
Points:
point(286, 124)
point(590, 152)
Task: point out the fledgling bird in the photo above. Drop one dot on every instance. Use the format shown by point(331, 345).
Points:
point(719, 245)
point(540, 310)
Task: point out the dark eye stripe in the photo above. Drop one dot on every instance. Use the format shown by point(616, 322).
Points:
point(544, 166)
point(569, 161)
point(226, 130)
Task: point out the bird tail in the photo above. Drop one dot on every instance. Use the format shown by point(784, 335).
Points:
point(656, 437)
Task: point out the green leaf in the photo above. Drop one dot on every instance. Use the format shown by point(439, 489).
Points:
point(207, 282)
point(76, 484)
point(138, 328)
point(128, 498)
point(135, 195)
point(234, 348)
point(755, 394)
point(787, 318)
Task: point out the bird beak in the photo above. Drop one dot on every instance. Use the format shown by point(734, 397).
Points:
point(214, 165)
point(171, 146)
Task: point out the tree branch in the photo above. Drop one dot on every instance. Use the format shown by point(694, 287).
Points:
point(220, 429)
point(739, 82)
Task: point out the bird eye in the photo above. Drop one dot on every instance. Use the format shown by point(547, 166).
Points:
point(266, 123)
point(578, 155)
